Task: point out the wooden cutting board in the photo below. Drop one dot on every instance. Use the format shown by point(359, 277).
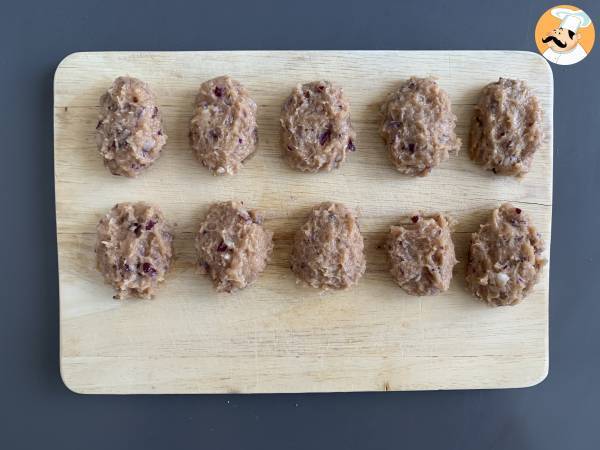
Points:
point(277, 336)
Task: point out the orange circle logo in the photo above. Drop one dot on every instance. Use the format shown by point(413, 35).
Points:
point(565, 35)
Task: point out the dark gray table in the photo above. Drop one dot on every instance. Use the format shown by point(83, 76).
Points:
point(37, 411)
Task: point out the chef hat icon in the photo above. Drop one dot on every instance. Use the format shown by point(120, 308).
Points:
point(571, 20)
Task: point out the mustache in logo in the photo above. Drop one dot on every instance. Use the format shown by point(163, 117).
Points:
point(555, 40)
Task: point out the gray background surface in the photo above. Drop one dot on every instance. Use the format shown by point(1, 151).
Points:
point(37, 411)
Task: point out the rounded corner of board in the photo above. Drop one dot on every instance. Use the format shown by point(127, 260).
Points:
point(69, 383)
point(68, 59)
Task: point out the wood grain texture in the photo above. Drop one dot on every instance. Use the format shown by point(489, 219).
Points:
point(277, 336)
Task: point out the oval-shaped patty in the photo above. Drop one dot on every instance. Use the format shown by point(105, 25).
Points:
point(418, 126)
point(134, 249)
point(130, 133)
point(328, 250)
point(506, 128)
point(223, 131)
point(233, 246)
point(505, 257)
point(422, 255)
point(317, 131)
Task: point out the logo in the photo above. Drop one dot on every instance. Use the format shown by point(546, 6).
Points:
point(564, 35)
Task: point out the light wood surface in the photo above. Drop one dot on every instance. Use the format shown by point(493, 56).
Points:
point(277, 336)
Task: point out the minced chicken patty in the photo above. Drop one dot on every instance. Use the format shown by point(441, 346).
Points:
point(422, 255)
point(233, 246)
point(505, 257)
point(317, 132)
point(134, 249)
point(223, 130)
point(418, 126)
point(328, 250)
point(506, 129)
point(130, 133)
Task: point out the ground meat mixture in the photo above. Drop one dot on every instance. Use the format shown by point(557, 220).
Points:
point(418, 126)
point(223, 130)
point(422, 254)
point(130, 133)
point(506, 128)
point(505, 257)
point(134, 249)
point(328, 251)
point(233, 246)
point(317, 131)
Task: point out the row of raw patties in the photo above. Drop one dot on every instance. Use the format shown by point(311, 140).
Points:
point(134, 251)
point(416, 123)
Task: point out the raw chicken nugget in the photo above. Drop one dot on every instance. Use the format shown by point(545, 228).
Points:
point(418, 126)
point(505, 257)
point(316, 129)
point(233, 246)
point(422, 254)
point(223, 130)
point(130, 133)
point(328, 251)
point(506, 129)
point(134, 249)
